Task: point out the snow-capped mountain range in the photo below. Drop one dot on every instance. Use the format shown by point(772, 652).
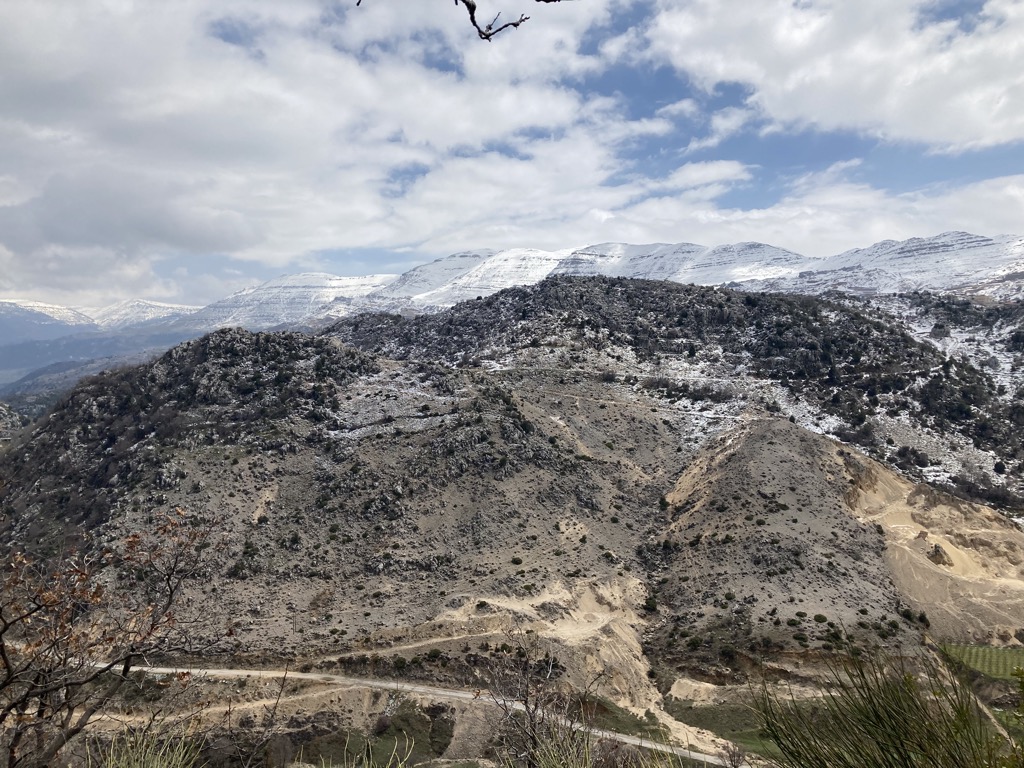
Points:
point(35, 337)
point(953, 261)
point(136, 311)
point(286, 300)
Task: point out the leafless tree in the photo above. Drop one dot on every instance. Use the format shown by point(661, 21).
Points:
point(248, 737)
point(545, 722)
point(522, 684)
point(71, 632)
point(487, 31)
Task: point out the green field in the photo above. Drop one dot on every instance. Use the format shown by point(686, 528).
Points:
point(997, 663)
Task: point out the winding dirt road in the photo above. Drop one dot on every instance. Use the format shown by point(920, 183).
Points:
point(344, 682)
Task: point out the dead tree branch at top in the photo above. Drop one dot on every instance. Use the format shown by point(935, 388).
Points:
point(488, 31)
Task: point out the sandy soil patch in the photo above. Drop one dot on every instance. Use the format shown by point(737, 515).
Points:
point(959, 562)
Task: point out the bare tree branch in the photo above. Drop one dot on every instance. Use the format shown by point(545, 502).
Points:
point(488, 31)
point(71, 632)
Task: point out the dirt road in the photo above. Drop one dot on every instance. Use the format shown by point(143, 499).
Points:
point(485, 697)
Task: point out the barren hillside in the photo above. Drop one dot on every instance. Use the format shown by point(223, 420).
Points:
point(635, 471)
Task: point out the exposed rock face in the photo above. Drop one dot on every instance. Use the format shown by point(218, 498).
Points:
point(938, 555)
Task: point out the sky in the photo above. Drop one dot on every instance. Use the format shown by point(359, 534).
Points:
point(179, 150)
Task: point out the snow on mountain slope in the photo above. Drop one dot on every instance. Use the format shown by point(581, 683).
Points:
point(23, 321)
point(652, 262)
point(136, 311)
point(430, 277)
point(64, 315)
point(286, 299)
point(740, 261)
point(402, 294)
point(515, 266)
point(952, 261)
point(682, 262)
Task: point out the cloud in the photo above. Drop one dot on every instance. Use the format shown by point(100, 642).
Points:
point(169, 149)
point(824, 214)
point(724, 123)
point(880, 67)
point(684, 108)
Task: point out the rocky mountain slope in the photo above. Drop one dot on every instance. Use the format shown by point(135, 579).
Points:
point(10, 422)
point(661, 483)
point(956, 262)
point(834, 365)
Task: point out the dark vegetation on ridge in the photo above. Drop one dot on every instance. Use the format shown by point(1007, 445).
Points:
point(839, 358)
point(231, 386)
point(225, 387)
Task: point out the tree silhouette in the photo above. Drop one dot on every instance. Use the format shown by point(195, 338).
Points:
point(487, 31)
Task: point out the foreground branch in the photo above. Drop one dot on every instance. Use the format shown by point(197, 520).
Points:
point(487, 31)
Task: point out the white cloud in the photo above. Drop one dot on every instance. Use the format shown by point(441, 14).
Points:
point(685, 108)
point(136, 139)
point(723, 124)
point(827, 214)
point(873, 65)
point(133, 130)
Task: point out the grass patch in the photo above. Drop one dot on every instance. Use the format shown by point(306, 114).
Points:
point(601, 713)
point(997, 663)
point(736, 722)
point(412, 734)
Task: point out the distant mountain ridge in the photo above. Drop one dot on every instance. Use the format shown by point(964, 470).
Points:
point(35, 320)
point(950, 262)
point(954, 262)
point(289, 299)
point(136, 311)
point(957, 262)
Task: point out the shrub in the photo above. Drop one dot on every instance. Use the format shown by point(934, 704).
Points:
point(135, 750)
point(877, 712)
